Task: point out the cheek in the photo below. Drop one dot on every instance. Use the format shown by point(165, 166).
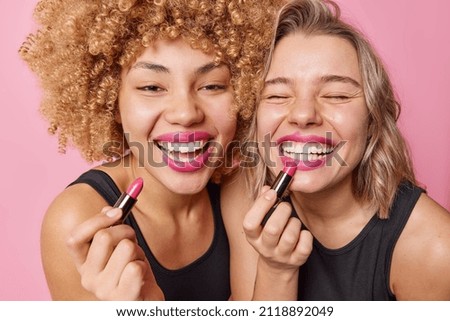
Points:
point(227, 128)
point(349, 121)
point(219, 112)
point(138, 122)
point(350, 125)
point(355, 133)
point(266, 123)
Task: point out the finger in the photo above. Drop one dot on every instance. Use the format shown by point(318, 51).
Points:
point(105, 209)
point(253, 218)
point(103, 245)
point(303, 248)
point(80, 238)
point(133, 278)
point(275, 226)
point(126, 251)
point(290, 237)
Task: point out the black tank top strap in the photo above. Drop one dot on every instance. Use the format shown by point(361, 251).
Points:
point(404, 202)
point(102, 183)
point(405, 199)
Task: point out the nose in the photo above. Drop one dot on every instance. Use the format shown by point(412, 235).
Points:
point(305, 113)
point(184, 110)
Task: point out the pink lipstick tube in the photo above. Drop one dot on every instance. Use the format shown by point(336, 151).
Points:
point(280, 185)
point(127, 200)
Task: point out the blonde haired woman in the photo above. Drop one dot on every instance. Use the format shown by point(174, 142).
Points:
point(362, 229)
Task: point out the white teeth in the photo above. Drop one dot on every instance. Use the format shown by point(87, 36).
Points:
point(182, 147)
point(303, 150)
point(183, 152)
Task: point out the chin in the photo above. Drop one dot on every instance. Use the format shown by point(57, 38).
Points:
point(187, 189)
point(188, 183)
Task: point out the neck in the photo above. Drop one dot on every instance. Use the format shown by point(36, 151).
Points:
point(157, 198)
point(334, 216)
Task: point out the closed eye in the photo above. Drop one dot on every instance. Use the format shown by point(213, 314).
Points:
point(276, 97)
point(338, 97)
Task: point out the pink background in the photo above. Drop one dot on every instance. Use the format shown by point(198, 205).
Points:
point(411, 37)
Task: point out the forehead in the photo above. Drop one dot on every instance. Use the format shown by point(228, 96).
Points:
point(314, 55)
point(173, 57)
point(162, 48)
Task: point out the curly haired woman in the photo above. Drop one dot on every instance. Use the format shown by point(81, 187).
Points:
point(157, 89)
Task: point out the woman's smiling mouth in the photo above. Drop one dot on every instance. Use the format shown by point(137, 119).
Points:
point(310, 151)
point(184, 151)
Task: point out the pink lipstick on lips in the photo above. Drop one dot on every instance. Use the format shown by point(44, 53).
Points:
point(280, 185)
point(183, 137)
point(310, 141)
point(127, 200)
point(189, 138)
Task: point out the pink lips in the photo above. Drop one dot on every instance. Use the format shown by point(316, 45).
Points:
point(192, 165)
point(305, 165)
point(305, 139)
point(183, 137)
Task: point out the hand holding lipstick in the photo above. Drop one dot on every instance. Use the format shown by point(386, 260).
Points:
point(280, 241)
point(111, 264)
point(282, 246)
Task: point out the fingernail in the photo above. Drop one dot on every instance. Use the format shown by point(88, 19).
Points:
point(113, 212)
point(106, 209)
point(270, 195)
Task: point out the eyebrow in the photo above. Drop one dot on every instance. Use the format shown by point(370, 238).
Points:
point(207, 68)
point(162, 69)
point(151, 66)
point(278, 81)
point(323, 79)
point(337, 78)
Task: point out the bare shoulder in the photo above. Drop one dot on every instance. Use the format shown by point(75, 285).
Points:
point(71, 207)
point(79, 202)
point(236, 199)
point(422, 254)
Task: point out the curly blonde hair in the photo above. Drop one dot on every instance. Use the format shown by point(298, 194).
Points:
point(386, 161)
point(82, 45)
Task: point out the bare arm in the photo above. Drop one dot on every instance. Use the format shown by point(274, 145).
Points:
point(67, 211)
point(421, 259)
point(235, 202)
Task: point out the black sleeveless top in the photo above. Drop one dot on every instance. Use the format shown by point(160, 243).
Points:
point(359, 270)
point(205, 279)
